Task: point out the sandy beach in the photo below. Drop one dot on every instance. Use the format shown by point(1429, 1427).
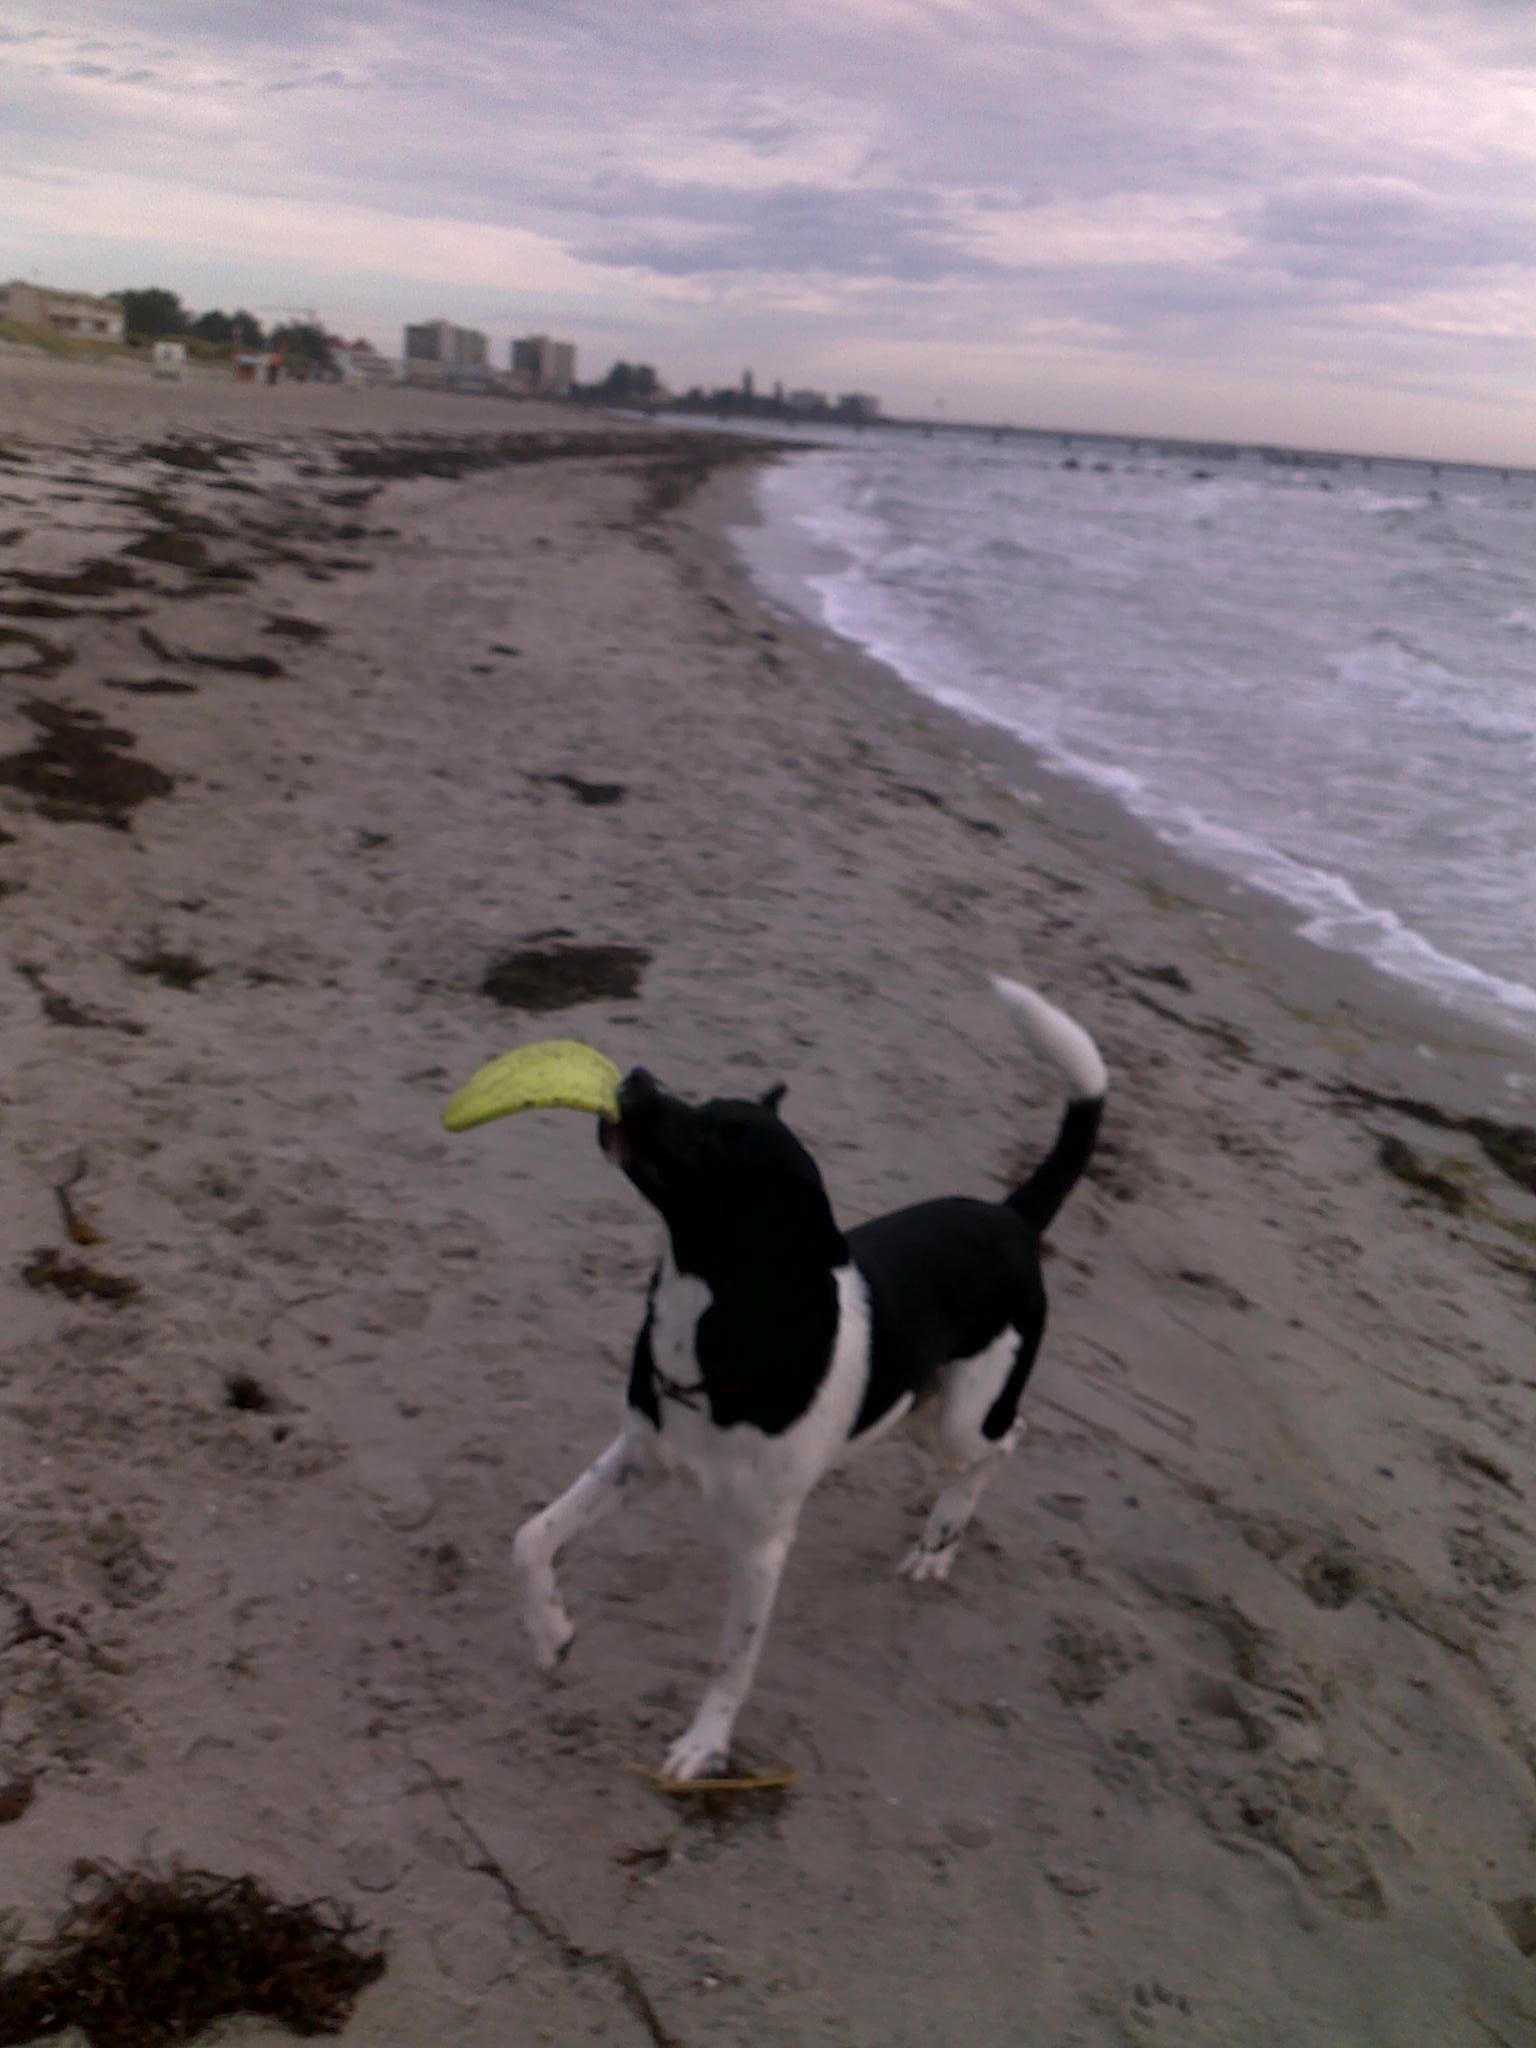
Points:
point(347, 739)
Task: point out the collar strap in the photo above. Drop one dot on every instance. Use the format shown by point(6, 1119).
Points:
point(674, 1390)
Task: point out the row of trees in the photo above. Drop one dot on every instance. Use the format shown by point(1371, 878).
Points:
point(626, 382)
point(155, 314)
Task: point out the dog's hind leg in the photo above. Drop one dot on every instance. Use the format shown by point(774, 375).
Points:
point(628, 1468)
point(971, 1425)
point(756, 1568)
point(937, 1548)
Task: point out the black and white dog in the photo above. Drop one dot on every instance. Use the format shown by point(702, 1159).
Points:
point(774, 1344)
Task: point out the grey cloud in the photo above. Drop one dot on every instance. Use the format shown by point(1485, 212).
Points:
point(562, 117)
point(310, 80)
point(792, 228)
point(1376, 231)
point(762, 134)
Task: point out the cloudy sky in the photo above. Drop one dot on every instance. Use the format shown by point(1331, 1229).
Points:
point(1293, 220)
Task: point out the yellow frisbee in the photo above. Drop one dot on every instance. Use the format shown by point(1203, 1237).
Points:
point(557, 1073)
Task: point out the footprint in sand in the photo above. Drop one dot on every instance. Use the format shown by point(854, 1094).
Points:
point(1296, 1802)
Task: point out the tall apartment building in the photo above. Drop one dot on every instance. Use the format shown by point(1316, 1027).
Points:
point(438, 348)
point(39, 305)
point(546, 366)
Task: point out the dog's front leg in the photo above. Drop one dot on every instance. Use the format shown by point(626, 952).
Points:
point(628, 1468)
point(757, 1565)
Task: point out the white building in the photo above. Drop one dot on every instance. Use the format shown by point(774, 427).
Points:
point(77, 313)
point(359, 362)
point(545, 366)
point(436, 351)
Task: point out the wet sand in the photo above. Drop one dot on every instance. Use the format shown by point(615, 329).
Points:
point(346, 739)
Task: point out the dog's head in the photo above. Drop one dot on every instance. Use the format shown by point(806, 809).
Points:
point(733, 1184)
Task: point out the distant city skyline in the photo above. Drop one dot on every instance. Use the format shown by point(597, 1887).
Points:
point(1279, 221)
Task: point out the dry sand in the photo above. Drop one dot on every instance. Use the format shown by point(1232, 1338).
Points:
point(1222, 1733)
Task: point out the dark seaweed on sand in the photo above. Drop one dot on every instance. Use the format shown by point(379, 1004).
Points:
point(176, 970)
point(1510, 1147)
point(45, 658)
point(1404, 1163)
point(554, 977)
point(75, 1280)
point(80, 767)
point(91, 579)
point(149, 1958)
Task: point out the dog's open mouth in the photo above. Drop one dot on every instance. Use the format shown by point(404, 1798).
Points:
point(624, 1138)
point(610, 1135)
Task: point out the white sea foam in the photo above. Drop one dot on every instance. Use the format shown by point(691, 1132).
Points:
point(1338, 710)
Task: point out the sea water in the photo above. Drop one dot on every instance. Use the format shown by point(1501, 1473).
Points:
point(1317, 676)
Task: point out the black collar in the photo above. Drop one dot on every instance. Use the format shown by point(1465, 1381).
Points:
point(674, 1390)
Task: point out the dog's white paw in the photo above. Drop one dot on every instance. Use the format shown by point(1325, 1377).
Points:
point(550, 1630)
point(698, 1754)
point(548, 1625)
point(922, 1564)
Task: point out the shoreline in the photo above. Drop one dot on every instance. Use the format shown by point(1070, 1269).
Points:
point(1384, 1030)
point(359, 739)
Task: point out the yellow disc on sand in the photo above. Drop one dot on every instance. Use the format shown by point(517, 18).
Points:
point(557, 1073)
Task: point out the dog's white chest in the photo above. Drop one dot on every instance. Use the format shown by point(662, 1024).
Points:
point(745, 1473)
point(677, 1308)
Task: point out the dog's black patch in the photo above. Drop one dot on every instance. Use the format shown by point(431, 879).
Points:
point(747, 1214)
point(946, 1279)
point(643, 1392)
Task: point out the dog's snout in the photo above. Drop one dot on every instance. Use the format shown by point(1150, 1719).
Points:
point(638, 1091)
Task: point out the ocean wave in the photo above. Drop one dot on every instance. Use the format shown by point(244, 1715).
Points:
point(1316, 713)
point(1334, 913)
point(1379, 501)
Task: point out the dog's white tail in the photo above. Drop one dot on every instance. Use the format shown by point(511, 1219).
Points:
point(1058, 1038)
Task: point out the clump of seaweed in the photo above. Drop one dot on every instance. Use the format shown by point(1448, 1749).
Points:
point(554, 977)
point(204, 456)
point(150, 1958)
point(290, 627)
point(91, 579)
point(16, 1797)
point(176, 970)
point(75, 1280)
point(1510, 1147)
point(172, 545)
point(80, 768)
point(594, 794)
point(244, 1391)
point(1402, 1161)
point(39, 657)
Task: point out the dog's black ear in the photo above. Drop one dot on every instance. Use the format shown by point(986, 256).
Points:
point(774, 1096)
